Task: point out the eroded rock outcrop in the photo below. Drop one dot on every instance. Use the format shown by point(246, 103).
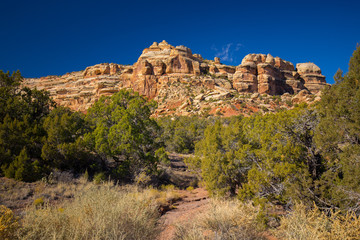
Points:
point(174, 76)
point(102, 69)
point(266, 74)
point(314, 80)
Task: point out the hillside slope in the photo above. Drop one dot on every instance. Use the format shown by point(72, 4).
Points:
point(184, 83)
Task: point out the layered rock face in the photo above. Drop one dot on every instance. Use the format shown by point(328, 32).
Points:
point(79, 90)
point(314, 80)
point(176, 78)
point(266, 74)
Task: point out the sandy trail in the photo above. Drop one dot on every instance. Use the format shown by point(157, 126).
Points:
point(193, 203)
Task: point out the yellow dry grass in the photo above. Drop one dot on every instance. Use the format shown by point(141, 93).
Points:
point(8, 223)
point(303, 224)
point(103, 211)
point(224, 219)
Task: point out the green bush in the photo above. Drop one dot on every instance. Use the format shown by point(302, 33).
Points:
point(122, 130)
point(337, 137)
point(270, 157)
point(181, 133)
point(21, 132)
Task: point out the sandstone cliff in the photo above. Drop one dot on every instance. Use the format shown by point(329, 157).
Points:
point(185, 83)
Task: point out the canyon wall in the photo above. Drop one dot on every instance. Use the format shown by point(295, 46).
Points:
point(175, 77)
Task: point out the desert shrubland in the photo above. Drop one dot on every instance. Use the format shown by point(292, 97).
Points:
point(102, 211)
point(303, 223)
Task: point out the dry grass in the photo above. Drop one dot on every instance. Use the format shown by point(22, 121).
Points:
point(225, 219)
point(8, 223)
point(302, 224)
point(78, 209)
point(13, 192)
point(164, 198)
point(99, 212)
point(18, 195)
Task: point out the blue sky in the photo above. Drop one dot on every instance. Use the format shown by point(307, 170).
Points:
point(50, 37)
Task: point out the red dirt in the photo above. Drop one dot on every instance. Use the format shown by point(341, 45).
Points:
point(193, 203)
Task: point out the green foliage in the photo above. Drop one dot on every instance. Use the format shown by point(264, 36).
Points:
point(270, 157)
point(338, 138)
point(162, 156)
point(285, 158)
point(23, 169)
point(289, 103)
point(64, 146)
point(122, 133)
point(117, 129)
point(117, 135)
point(217, 154)
point(308, 153)
point(21, 131)
point(9, 86)
point(99, 178)
point(181, 133)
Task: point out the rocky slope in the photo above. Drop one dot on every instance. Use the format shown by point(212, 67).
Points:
point(184, 83)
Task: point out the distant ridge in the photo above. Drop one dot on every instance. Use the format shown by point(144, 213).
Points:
point(184, 83)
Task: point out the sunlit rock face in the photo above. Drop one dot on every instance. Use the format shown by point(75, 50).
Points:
point(180, 80)
point(275, 76)
point(314, 80)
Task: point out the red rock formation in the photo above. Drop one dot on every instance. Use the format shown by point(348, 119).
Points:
point(173, 75)
point(245, 79)
point(314, 80)
point(266, 74)
point(101, 69)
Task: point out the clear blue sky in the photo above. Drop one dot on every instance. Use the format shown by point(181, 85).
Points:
point(55, 37)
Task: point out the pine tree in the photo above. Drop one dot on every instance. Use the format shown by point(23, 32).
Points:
point(122, 131)
point(21, 132)
point(338, 138)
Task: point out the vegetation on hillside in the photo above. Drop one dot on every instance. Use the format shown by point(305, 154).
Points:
point(180, 133)
point(23, 111)
point(122, 130)
point(308, 154)
point(116, 136)
point(305, 159)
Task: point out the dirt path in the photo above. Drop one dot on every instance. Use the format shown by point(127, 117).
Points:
point(193, 202)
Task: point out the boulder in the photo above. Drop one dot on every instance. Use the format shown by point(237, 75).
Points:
point(307, 68)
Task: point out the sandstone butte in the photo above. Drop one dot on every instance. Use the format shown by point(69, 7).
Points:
point(184, 83)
